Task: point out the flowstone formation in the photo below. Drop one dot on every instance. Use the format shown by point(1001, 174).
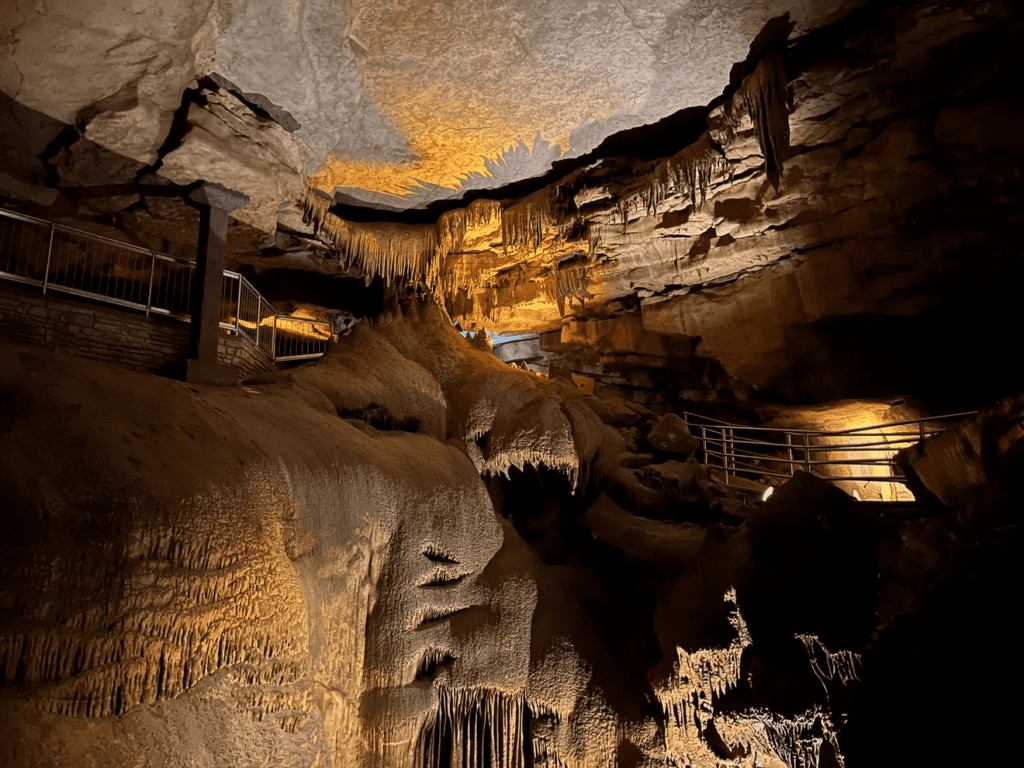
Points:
point(411, 555)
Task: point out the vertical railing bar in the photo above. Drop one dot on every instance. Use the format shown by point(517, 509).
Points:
point(273, 339)
point(149, 293)
point(49, 252)
point(16, 249)
point(727, 451)
point(725, 455)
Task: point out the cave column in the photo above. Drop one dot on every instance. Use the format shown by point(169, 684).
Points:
point(215, 203)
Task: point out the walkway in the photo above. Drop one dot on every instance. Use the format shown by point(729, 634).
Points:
point(56, 257)
point(860, 461)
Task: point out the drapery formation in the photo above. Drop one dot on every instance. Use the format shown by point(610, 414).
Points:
point(416, 254)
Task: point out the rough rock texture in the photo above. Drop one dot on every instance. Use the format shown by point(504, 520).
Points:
point(826, 196)
point(401, 97)
point(279, 563)
point(956, 464)
point(671, 435)
point(799, 290)
point(310, 571)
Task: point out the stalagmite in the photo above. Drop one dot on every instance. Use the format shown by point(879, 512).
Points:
point(798, 741)
point(699, 676)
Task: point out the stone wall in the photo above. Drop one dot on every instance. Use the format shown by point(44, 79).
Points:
point(81, 328)
point(234, 351)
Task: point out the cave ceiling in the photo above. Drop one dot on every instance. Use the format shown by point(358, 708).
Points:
point(748, 181)
point(395, 103)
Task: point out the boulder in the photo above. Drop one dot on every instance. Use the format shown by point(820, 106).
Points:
point(660, 543)
point(671, 435)
point(617, 412)
point(952, 466)
point(685, 482)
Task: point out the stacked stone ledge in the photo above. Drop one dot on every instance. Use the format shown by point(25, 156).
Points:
point(150, 344)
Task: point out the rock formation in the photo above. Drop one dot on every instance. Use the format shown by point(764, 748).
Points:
point(484, 529)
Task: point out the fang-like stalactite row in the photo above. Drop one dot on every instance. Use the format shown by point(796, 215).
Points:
point(526, 222)
point(414, 253)
point(568, 283)
point(798, 741)
point(762, 96)
point(701, 675)
point(417, 254)
point(690, 171)
point(474, 728)
point(842, 664)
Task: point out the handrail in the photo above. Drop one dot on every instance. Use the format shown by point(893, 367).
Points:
point(688, 415)
point(729, 452)
point(57, 257)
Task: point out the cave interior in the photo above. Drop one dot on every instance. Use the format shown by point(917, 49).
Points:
point(510, 384)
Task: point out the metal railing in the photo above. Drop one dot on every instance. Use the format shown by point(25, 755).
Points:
point(298, 338)
point(858, 456)
point(61, 258)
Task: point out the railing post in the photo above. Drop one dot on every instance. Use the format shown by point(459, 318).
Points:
point(273, 339)
point(789, 453)
point(152, 272)
point(49, 254)
point(921, 424)
point(725, 454)
point(238, 306)
point(704, 444)
point(730, 459)
point(807, 453)
point(215, 204)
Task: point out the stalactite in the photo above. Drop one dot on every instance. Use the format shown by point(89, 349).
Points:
point(568, 283)
point(526, 221)
point(397, 252)
point(693, 169)
point(764, 96)
point(623, 206)
point(214, 613)
point(699, 676)
point(796, 741)
point(470, 725)
point(690, 171)
point(842, 664)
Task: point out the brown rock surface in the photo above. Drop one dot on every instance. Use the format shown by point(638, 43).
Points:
point(671, 435)
point(956, 464)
